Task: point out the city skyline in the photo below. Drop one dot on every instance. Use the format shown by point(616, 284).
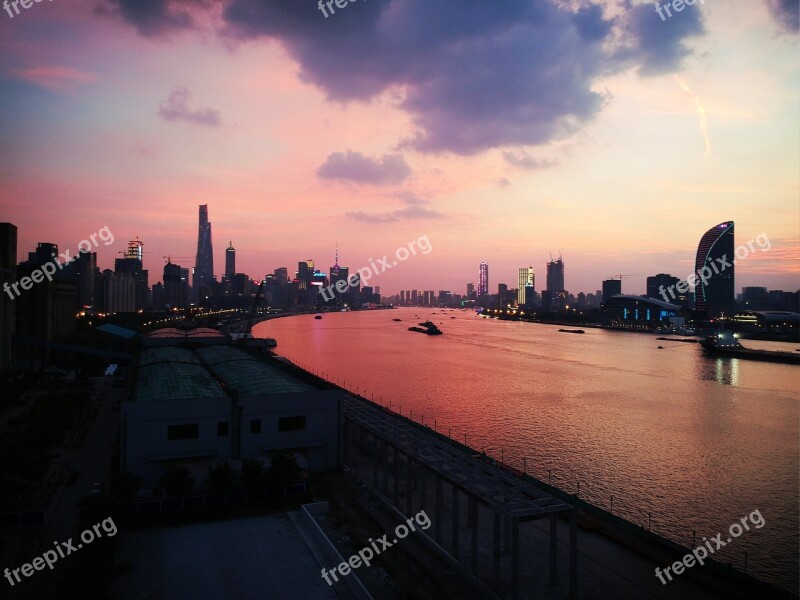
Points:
point(379, 169)
point(529, 269)
point(554, 266)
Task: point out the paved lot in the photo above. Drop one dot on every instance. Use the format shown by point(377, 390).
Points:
point(259, 557)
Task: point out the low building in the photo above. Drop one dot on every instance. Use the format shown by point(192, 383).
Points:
point(194, 406)
point(640, 312)
point(766, 322)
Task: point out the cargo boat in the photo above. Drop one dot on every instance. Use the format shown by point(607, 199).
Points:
point(727, 345)
point(427, 327)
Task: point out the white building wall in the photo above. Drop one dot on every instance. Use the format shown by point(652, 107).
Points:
point(147, 451)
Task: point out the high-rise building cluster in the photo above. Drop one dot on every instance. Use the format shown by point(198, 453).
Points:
point(708, 293)
point(45, 312)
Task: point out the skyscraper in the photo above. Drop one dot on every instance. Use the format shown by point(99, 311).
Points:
point(527, 284)
point(46, 311)
point(175, 295)
point(483, 280)
point(135, 249)
point(130, 265)
point(282, 275)
point(45, 252)
point(85, 275)
point(656, 283)
point(611, 288)
point(555, 297)
point(279, 288)
point(714, 268)
point(337, 274)
point(664, 287)
point(8, 276)
point(230, 260)
point(117, 292)
point(555, 276)
point(305, 270)
point(204, 263)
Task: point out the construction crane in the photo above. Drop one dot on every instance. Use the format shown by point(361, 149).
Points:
point(169, 257)
point(621, 276)
point(249, 331)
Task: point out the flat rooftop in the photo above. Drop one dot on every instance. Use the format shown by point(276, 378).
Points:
point(174, 373)
point(171, 373)
point(248, 375)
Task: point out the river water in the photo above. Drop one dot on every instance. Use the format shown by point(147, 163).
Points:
point(682, 441)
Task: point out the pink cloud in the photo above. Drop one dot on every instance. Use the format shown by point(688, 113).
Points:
point(54, 77)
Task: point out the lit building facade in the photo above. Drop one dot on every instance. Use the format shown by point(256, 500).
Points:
point(527, 284)
point(483, 280)
point(714, 293)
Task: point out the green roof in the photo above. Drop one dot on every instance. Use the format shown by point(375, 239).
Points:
point(248, 375)
point(170, 373)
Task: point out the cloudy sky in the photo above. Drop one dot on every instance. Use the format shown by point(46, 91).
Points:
point(503, 131)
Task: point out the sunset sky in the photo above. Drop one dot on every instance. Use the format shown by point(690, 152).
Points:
point(503, 131)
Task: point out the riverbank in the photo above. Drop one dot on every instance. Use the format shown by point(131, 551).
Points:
point(629, 543)
point(601, 415)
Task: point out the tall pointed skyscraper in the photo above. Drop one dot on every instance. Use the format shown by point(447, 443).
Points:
point(204, 262)
point(338, 273)
point(230, 260)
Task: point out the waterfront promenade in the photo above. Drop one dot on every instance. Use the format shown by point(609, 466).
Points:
point(613, 558)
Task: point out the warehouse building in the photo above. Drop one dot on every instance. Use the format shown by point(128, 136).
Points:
point(195, 405)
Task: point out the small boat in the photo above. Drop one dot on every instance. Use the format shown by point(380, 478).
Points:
point(428, 328)
point(685, 340)
point(318, 317)
point(572, 331)
point(396, 319)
